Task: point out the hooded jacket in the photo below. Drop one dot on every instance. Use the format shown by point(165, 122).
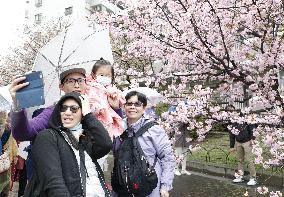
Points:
point(56, 171)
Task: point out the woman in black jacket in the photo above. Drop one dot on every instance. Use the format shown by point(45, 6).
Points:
point(65, 156)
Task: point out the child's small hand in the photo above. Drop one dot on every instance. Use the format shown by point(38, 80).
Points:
point(113, 101)
point(85, 104)
point(113, 95)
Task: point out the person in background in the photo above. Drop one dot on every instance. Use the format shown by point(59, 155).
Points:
point(28, 149)
point(153, 142)
point(242, 144)
point(181, 149)
point(8, 145)
point(21, 171)
point(65, 155)
point(151, 112)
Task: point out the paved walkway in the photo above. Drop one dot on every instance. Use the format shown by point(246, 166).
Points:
point(198, 185)
point(202, 185)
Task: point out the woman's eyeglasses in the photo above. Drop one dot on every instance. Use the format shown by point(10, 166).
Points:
point(136, 104)
point(73, 108)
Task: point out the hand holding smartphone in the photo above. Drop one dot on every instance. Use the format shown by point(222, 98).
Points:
point(32, 94)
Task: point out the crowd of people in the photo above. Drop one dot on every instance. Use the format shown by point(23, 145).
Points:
point(61, 150)
point(71, 139)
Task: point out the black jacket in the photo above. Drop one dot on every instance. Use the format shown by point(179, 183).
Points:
point(245, 134)
point(56, 171)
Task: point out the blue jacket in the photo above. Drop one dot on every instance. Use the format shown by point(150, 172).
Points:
point(4, 139)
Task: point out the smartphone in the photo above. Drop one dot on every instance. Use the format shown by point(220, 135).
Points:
point(32, 94)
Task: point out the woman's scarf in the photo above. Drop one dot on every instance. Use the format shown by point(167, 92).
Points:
point(74, 135)
point(77, 131)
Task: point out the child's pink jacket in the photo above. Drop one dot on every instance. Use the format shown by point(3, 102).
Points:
point(98, 98)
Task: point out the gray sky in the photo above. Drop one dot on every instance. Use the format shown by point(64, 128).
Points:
point(12, 15)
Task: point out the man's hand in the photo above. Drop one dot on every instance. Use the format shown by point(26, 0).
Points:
point(15, 86)
point(164, 193)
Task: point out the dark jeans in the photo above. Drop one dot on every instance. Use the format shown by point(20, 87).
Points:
point(22, 181)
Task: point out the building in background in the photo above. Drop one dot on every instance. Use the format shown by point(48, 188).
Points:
point(38, 11)
point(103, 5)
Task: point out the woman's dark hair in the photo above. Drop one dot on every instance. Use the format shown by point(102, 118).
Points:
point(141, 97)
point(102, 62)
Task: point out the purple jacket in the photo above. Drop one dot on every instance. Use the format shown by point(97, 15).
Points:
point(155, 141)
point(26, 130)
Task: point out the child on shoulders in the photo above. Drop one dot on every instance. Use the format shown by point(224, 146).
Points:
point(105, 98)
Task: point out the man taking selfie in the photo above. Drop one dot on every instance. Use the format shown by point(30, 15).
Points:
point(72, 80)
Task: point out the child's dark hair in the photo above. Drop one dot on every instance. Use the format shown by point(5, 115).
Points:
point(103, 62)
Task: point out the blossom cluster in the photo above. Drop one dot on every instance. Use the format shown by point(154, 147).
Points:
point(234, 49)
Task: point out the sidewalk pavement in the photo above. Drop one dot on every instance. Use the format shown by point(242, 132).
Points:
point(199, 184)
point(202, 185)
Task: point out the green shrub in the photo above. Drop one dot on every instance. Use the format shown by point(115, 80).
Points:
point(161, 108)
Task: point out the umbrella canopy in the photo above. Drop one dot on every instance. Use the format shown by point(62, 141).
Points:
point(5, 99)
point(80, 45)
point(152, 95)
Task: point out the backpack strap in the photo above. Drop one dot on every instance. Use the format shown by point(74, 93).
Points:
point(145, 128)
point(155, 161)
point(142, 130)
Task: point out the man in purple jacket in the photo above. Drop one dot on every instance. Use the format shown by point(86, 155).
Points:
point(72, 80)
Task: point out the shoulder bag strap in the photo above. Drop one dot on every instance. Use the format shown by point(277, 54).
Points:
point(102, 179)
point(82, 168)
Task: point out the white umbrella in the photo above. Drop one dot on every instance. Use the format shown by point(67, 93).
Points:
point(152, 95)
point(79, 46)
point(5, 99)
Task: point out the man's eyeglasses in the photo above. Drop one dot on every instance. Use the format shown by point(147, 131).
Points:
point(73, 108)
point(136, 104)
point(73, 81)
